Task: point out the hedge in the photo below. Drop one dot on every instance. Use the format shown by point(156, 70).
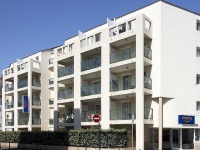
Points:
point(112, 138)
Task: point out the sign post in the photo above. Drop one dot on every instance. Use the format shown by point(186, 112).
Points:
point(96, 118)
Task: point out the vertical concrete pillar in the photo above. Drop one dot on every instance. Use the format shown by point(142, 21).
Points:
point(140, 82)
point(77, 86)
point(105, 81)
point(16, 113)
point(3, 104)
point(30, 64)
point(160, 122)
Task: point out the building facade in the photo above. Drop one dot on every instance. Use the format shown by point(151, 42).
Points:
point(143, 64)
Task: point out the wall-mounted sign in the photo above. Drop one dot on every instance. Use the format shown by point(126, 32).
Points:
point(25, 103)
point(184, 119)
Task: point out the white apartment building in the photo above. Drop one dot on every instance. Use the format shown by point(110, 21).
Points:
point(144, 63)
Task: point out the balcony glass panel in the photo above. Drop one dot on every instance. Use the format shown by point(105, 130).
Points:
point(147, 52)
point(36, 102)
point(51, 81)
point(124, 84)
point(87, 116)
point(36, 121)
point(23, 121)
point(66, 71)
point(36, 82)
point(66, 118)
point(121, 114)
point(9, 87)
point(50, 61)
point(51, 101)
point(22, 83)
point(91, 89)
point(51, 121)
point(9, 122)
point(124, 54)
point(91, 63)
point(65, 94)
point(9, 105)
point(147, 82)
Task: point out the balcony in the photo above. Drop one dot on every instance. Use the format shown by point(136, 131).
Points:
point(36, 82)
point(88, 116)
point(66, 118)
point(9, 122)
point(65, 94)
point(19, 103)
point(9, 105)
point(147, 52)
point(36, 102)
point(23, 121)
point(51, 81)
point(22, 84)
point(65, 71)
point(9, 87)
point(36, 121)
point(118, 85)
point(51, 101)
point(126, 114)
point(122, 55)
point(51, 121)
point(147, 83)
point(91, 63)
point(91, 90)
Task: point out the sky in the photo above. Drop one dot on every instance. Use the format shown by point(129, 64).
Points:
point(28, 26)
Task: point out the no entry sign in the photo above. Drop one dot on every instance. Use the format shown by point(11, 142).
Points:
point(96, 118)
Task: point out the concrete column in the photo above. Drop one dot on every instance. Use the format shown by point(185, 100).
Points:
point(140, 82)
point(105, 81)
point(77, 86)
point(160, 122)
point(3, 103)
point(16, 114)
point(30, 64)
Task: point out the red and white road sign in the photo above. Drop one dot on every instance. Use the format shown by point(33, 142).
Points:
point(96, 118)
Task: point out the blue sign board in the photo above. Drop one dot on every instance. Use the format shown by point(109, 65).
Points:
point(184, 119)
point(25, 103)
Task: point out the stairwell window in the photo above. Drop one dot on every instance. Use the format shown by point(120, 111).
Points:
point(198, 25)
point(198, 105)
point(198, 52)
point(98, 37)
point(198, 79)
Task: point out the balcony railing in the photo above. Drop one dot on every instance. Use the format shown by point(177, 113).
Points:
point(126, 114)
point(9, 105)
point(65, 71)
point(22, 83)
point(36, 121)
point(9, 87)
point(36, 82)
point(147, 52)
point(66, 118)
point(19, 103)
point(91, 63)
point(36, 102)
point(50, 61)
point(88, 116)
point(51, 81)
point(65, 94)
point(122, 55)
point(118, 85)
point(51, 121)
point(147, 83)
point(91, 90)
point(51, 101)
point(121, 114)
point(9, 122)
point(23, 121)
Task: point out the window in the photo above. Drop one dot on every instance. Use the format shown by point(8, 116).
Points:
point(131, 25)
point(83, 42)
point(198, 25)
point(198, 52)
point(98, 37)
point(198, 106)
point(113, 31)
point(122, 28)
point(198, 79)
point(71, 47)
point(65, 49)
point(36, 58)
point(90, 40)
point(147, 25)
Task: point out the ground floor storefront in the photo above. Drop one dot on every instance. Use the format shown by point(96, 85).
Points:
point(175, 139)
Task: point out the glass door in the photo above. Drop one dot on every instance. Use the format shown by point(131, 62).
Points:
point(126, 110)
point(126, 81)
point(175, 138)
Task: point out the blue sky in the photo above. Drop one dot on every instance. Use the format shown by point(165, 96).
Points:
point(28, 26)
